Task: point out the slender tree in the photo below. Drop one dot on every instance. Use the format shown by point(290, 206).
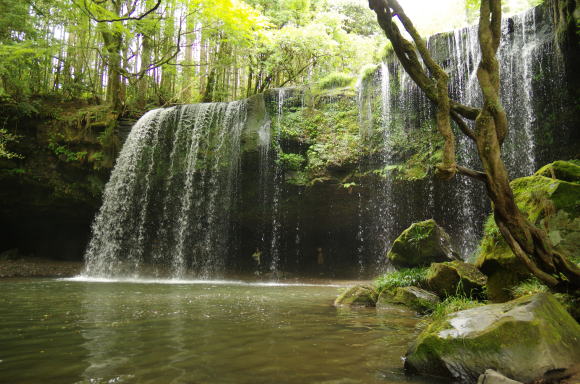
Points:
point(530, 244)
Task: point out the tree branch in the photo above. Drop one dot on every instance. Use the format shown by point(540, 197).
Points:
point(481, 176)
point(124, 18)
point(463, 126)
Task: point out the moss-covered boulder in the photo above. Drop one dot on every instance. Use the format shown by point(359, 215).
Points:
point(561, 170)
point(551, 204)
point(415, 298)
point(456, 277)
point(523, 339)
point(420, 245)
point(357, 296)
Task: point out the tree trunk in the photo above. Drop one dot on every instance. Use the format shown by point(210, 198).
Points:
point(531, 245)
point(113, 40)
point(143, 84)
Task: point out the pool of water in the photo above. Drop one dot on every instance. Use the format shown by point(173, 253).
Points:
point(55, 331)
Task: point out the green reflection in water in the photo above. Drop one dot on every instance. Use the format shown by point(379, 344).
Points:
point(78, 332)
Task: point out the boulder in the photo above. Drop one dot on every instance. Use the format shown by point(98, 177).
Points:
point(420, 245)
point(415, 298)
point(561, 170)
point(357, 296)
point(492, 377)
point(456, 277)
point(523, 339)
point(551, 204)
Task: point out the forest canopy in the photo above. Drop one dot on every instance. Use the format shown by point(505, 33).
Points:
point(155, 52)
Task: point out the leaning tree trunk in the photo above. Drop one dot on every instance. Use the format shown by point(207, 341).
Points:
point(531, 245)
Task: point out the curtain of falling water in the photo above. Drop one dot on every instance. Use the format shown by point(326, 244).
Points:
point(166, 207)
point(461, 206)
point(270, 185)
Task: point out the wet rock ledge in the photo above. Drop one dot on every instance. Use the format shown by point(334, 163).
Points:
point(13, 265)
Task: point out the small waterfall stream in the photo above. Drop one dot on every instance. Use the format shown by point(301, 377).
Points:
point(270, 190)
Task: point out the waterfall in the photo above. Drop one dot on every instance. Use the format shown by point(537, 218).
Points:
point(166, 209)
point(460, 205)
point(270, 189)
point(277, 191)
point(172, 207)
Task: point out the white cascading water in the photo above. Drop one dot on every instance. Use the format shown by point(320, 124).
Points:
point(166, 208)
point(270, 189)
point(408, 109)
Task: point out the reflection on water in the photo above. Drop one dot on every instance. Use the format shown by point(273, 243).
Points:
point(83, 332)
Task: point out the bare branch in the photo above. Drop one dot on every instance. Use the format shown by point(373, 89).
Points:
point(124, 18)
point(463, 126)
point(481, 176)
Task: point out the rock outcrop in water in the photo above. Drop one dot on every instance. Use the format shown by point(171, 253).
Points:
point(357, 296)
point(523, 339)
point(420, 245)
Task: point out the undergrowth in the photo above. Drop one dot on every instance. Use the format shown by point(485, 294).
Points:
point(336, 80)
point(402, 278)
point(529, 287)
point(452, 304)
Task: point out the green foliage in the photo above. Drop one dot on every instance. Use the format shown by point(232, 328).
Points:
point(336, 80)
point(402, 278)
point(418, 233)
point(385, 51)
point(452, 304)
point(291, 161)
point(6, 138)
point(529, 287)
point(64, 153)
point(368, 71)
point(328, 127)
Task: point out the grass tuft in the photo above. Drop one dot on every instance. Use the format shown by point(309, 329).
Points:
point(452, 304)
point(402, 278)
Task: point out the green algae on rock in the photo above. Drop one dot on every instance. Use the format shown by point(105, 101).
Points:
point(561, 170)
point(415, 298)
point(551, 204)
point(456, 278)
point(523, 339)
point(357, 296)
point(420, 245)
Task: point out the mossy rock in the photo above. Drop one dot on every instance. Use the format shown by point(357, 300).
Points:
point(415, 298)
point(357, 296)
point(456, 278)
point(523, 339)
point(561, 170)
point(551, 204)
point(420, 245)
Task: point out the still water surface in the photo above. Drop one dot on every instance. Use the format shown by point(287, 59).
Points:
point(54, 331)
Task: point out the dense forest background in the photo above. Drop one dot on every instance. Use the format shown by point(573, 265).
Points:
point(145, 53)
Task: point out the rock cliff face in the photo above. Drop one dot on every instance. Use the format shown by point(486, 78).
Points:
point(328, 177)
point(49, 195)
